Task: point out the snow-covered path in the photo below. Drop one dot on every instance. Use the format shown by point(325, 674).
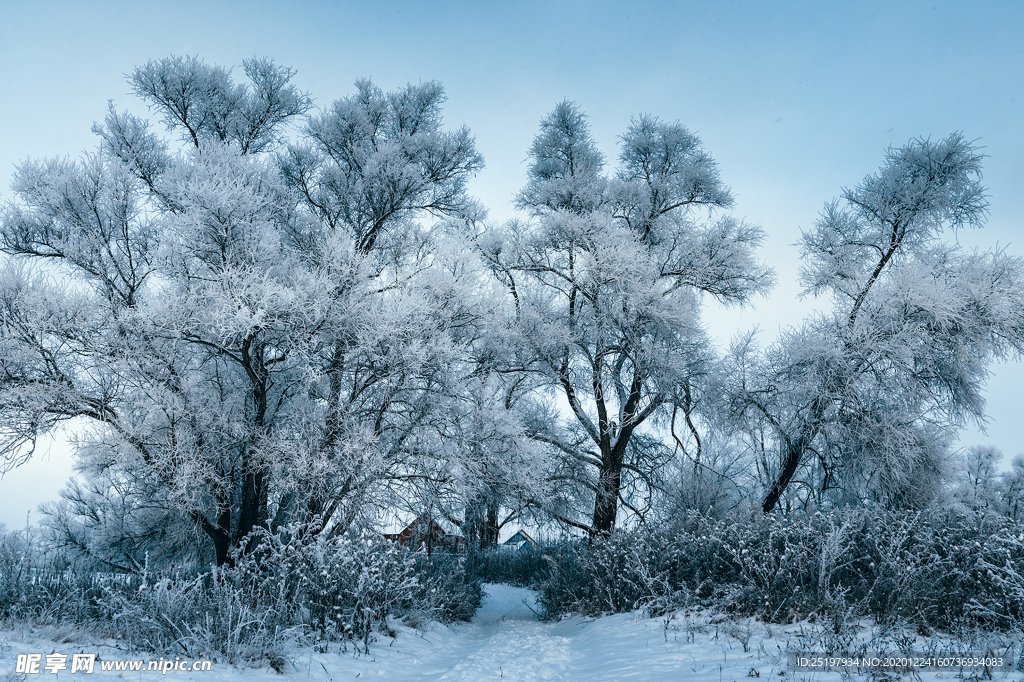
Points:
point(505, 641)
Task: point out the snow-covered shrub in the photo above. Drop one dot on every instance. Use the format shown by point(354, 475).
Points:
point(447, 591)
point(933, 568)
point(42, 584)
point(213, 615)
point(521, 568)
point(340, 588)
point(620, 573)
point(944, 568)
point(348, 586)
point(18, 590)
point(280, 587)
point(290, 585)
point(937, 569)
point(777, 566)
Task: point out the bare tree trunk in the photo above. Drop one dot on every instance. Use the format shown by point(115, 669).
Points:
point(606, 505)
point(221, 536)
point(794, 453)
point(481, 526)
point(253, 513)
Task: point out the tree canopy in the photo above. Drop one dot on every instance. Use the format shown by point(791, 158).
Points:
point(277, 317)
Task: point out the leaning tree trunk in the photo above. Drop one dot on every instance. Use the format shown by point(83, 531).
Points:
point(794, 453)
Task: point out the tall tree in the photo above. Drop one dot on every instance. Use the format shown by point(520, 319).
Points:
point(258, 338)
point(873, 390)
point(606, 283)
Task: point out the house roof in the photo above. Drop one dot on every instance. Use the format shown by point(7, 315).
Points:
point(520, 536)
point(446, 527)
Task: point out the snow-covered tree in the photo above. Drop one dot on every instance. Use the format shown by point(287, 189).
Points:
point(976, 483)
point(867, 396)
point(1012, 489)
point(605, 282)
point(258, 331)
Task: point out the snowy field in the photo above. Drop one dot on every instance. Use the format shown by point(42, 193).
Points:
point(505, 641)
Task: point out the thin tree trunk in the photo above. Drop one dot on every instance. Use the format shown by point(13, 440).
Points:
point(253, 513)
point(794, 454)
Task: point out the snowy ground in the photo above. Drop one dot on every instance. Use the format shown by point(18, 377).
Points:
point(505, 641)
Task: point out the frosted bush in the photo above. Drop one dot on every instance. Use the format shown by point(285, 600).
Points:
point(280, 588)
point(939, 569)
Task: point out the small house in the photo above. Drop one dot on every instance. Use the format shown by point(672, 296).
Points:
point(430, 534)
point(521, 540)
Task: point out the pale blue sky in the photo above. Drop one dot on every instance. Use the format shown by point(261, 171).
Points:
point(794, 99)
